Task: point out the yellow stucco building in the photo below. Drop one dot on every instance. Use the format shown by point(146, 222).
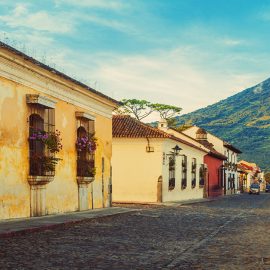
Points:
point(49, 160)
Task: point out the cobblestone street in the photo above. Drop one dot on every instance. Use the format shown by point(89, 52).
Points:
point(229, 233)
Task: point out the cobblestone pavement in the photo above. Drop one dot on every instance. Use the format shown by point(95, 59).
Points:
point(230, 233)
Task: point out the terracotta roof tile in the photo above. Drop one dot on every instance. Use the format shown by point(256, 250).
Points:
point(124, 126)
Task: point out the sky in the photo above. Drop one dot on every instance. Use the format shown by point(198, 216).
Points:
point(186, 53)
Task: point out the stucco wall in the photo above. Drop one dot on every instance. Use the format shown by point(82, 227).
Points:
point(178, 194)
point(62, 192)
point(135, 171)
point(14, 191)
point(213, 165)
point(219, 146)
point(217, 142)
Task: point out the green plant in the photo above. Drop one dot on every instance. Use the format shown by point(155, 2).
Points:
point(49, 163)
point(51, 140)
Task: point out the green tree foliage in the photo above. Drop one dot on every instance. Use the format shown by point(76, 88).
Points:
point(243, 120)
point(142, 108)
point(135, 107)
point(166, 111)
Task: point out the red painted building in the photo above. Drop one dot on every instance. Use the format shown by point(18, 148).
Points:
point(214, 161)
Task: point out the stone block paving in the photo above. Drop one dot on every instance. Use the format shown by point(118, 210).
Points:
point(231, 233)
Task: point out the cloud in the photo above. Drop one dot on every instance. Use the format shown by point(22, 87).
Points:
point(231, 42)
point(99, 4)
point(171, 77)
point(41, 20)
point(121, 26)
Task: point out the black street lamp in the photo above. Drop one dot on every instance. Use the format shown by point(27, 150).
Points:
point(176, 150)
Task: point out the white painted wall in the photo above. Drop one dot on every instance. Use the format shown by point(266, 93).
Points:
point(177, 194)
point(136, 172)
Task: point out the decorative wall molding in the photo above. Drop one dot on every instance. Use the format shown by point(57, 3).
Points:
point(33, 78)
point(85, 115)
point(41, 100)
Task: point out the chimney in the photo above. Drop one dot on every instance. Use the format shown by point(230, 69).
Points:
point(201, 135)
point(163, 125)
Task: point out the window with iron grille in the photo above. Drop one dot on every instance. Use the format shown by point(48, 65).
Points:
point(193, 173)
point(184, 172)
point(221, 176)
point(41, 125)
point(171, 173)
point(85, 156)
point(233, 181)
point(201, 175)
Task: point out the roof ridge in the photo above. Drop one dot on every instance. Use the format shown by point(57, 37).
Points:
point(54, 71)
point(144, 125)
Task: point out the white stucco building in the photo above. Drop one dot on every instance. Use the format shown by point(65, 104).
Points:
point(230, 174)
point(148, 166)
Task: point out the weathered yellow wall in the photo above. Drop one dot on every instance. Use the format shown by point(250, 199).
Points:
point(104, 135)
point(136, 172)
point(62, 192)
point(14, 189)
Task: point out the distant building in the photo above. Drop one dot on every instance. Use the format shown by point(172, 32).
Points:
point(249, 173)
point(49, 162)
point(150, 165)
point(227, 172)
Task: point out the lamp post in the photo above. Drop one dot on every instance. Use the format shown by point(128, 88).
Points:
point(176, 150)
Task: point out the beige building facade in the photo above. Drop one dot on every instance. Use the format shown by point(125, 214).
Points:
point(148, 168)
point(43, 115)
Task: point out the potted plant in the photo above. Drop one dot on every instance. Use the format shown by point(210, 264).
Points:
point(86, 143)
point(45, 164)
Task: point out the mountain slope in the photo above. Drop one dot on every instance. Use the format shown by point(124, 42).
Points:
point(242, 119)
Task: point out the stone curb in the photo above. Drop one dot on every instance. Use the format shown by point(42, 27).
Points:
point(179, 203)
point(57, 224)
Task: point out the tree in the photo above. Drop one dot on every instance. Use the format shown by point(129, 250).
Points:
point(186, 125)
point(137, 108)
point(166, 111)
point(142, 108)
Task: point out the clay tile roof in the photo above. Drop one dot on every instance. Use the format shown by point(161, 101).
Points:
point(126, 126)
point(213, 152)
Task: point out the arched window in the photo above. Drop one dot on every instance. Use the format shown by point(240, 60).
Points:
point(82, 133)
point(171, 173)
point(201, 175)
point(184, 172)
point(193, 173)
point(85, 158)
point(41, 125)
point(36, 147)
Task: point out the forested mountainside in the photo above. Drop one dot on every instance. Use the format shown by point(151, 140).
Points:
point(242, 119)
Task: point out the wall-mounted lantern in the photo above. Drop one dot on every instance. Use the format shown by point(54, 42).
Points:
point(176, 150)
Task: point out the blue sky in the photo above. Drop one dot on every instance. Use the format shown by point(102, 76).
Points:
point(188, 53)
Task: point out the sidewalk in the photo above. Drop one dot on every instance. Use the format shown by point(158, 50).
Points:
point(192, 201)
point(23, 225)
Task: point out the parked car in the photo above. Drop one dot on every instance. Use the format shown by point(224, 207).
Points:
point(254, 189)
point(267, 188)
